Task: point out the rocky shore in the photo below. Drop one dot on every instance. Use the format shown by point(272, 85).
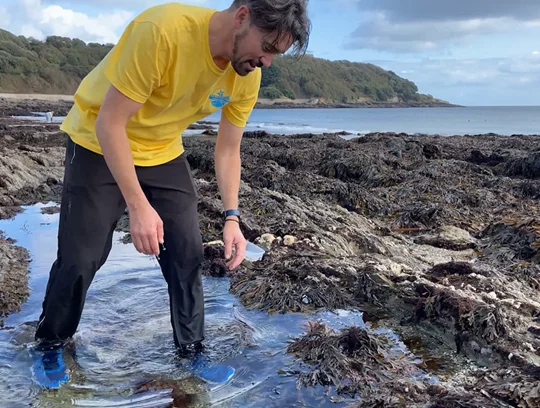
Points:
point(436, 238)
point(357, 105)
point(24, 107)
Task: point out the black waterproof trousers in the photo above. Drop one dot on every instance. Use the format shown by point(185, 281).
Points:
point(90, 209)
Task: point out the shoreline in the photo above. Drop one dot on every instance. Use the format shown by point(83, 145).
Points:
point(262, 103)
point(435, 237)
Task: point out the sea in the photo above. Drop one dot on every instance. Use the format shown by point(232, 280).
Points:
point(503, 120)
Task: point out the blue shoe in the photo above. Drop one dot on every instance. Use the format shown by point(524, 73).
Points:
point(211, 372)
point(49, 368)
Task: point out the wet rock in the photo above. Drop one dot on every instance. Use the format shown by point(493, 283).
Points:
point(451, 268)
point(294, 283)
point(513, 238)
point(518, 389)
point(184, 392)
point(461, 314)
point(432, 151)
point(13, 107)
point(528, 189)
point(14, 262)
point(449, 237)
point(199, 126)
point(255, 134)
point(360, 364)
point(491, 159)
point(214, 263)
point(527, 167)
point(347, 359)
point(50, 210)
point(456, 235)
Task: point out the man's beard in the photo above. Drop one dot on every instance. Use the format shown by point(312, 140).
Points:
point(242, 66)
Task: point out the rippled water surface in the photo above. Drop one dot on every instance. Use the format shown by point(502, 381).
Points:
point(125, 338)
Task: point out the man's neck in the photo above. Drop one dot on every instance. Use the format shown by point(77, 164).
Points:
point(220, 37)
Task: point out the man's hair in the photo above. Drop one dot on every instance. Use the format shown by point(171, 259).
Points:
point(283, 17)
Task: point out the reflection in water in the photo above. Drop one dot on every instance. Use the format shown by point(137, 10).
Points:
point(123, 352)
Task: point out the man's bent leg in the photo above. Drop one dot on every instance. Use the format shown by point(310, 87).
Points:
point(91, 206)
point(171, 191)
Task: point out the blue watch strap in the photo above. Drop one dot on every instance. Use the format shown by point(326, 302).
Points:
point(228, 213)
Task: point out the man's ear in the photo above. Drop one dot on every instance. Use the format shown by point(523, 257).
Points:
point(241, 17)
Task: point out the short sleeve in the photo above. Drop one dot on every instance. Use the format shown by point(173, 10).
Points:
point(239, 109)
point(138, 61)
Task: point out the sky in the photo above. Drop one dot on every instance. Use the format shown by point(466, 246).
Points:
point(468, 52)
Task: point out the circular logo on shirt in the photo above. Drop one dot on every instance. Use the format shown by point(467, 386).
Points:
point(219, 98)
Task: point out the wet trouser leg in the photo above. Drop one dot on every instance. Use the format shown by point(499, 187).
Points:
point(171, 191)
point(90, 208)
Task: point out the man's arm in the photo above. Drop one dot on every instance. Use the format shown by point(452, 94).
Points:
point(134, 68)
point(227, 167)
point(145, 225)
point(227, 159)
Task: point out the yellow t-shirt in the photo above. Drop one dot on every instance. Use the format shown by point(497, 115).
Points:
point(163, 60)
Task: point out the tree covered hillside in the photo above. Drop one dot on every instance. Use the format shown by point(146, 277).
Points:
point(336, 81)
point(55, 65)
point(58, 64)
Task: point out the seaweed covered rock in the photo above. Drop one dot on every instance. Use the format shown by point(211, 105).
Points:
point(295, 283)
point(361, 169)
point(449, 237)
point(214, 263)
point(518, 389)
point(512, 239)
point(526, 167)
point(352, 360)
point(435, 236)
point(14, 262)
point(362, 364)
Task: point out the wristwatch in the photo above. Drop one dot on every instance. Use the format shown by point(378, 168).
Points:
point(228, 213)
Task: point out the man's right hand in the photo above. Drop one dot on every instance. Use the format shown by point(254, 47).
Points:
point(146, 228)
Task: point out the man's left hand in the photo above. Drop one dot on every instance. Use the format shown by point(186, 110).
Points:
point(233, 238)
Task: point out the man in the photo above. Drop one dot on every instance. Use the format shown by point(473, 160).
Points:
point(173, 65)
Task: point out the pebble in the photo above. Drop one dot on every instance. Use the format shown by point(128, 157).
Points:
point(289, 240)
point(492, 295)
point(396, 268)
point(266, 241)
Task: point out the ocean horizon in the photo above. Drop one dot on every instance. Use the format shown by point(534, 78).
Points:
point(472, 120)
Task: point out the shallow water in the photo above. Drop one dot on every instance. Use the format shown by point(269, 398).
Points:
point(125, 337)
point(503, 120)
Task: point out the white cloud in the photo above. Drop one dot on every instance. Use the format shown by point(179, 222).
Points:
point(478, 78)
point(455, 10)
point(487, 81)
point(382, 33)
point(124, 4)
point(33, 18)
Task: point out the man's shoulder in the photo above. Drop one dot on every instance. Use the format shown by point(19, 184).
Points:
point(174, 17)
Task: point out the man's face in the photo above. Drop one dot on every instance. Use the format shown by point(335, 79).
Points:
point(252, 48)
